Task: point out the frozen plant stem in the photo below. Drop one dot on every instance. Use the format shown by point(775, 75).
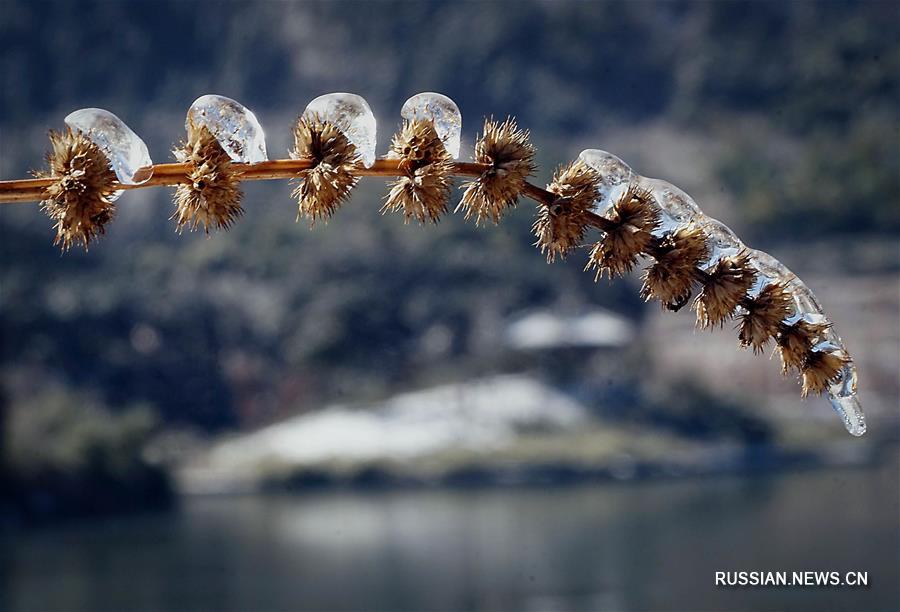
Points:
point(33, 190)
point(692, 255)
point(173, 174)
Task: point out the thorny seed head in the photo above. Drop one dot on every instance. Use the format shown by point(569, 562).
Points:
point(561, 225)
point(635, 216)
point(723, 289)
point(325, 186)
point(212, 197)
point(821, 369)
point(423, 190)
point(763, 316)
point(511, 158)
point(672, 277)
point(794, 343)
point(80, 199)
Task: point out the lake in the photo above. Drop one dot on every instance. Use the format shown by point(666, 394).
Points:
point(650, 545)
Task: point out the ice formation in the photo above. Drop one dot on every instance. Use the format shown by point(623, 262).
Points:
point(233, 126)
point(678, 210)
point(440, 109)
point(125, 150)
point(352, 115)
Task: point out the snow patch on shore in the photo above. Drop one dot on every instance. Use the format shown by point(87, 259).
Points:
point(482, 414)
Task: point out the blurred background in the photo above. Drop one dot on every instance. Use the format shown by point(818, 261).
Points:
point(385, 416)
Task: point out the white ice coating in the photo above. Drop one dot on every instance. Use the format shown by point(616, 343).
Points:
point(722, 242)
point(615, 175)
point(125, 150)
point(440, 109)
point(768, 271)
point(678, 209)
point(352, 115)
point(842, 392)
point(234, 126)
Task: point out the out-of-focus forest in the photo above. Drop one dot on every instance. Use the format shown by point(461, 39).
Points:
point(779, 117)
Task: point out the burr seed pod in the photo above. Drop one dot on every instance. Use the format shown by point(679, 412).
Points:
point(795, 341)
point(212, 196)
point(324, 187)
point(423, 189)
point(80, 199)
point(763, 315)
point(671, 279)
point(722, 289)
point(822, 368)
point(505, 148)
point(634, 216)
point(561, 225)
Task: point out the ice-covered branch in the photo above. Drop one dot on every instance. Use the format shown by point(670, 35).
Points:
point(98, 157)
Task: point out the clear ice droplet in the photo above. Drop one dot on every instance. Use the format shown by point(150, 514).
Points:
point(721, 240)
point(352, 115)
point(615, 177)
point(234, 126)
point(440, 109)
point(126, 151)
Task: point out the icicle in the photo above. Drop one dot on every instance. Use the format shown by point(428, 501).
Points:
point(845, 402)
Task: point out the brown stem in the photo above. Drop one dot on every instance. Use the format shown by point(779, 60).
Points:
point(29, 190)
point(541, 196)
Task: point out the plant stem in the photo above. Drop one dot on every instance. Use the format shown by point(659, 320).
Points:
point(32, 190)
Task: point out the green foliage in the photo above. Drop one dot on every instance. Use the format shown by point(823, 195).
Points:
point(831, 186)
point(71, 435)
point(67, 454)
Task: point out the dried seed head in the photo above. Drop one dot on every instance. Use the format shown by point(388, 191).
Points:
point(80, 200)
point(511, 157)
point(560, 226)
point(822, 368)
point(325, 186)
point(672, 278)
point(723, 289)
point(213, 195)
point(764, 315)
point(423, 191)
point(796, 341)
point(635, 215)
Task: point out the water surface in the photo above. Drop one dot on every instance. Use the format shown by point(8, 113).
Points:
point(652, 545)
